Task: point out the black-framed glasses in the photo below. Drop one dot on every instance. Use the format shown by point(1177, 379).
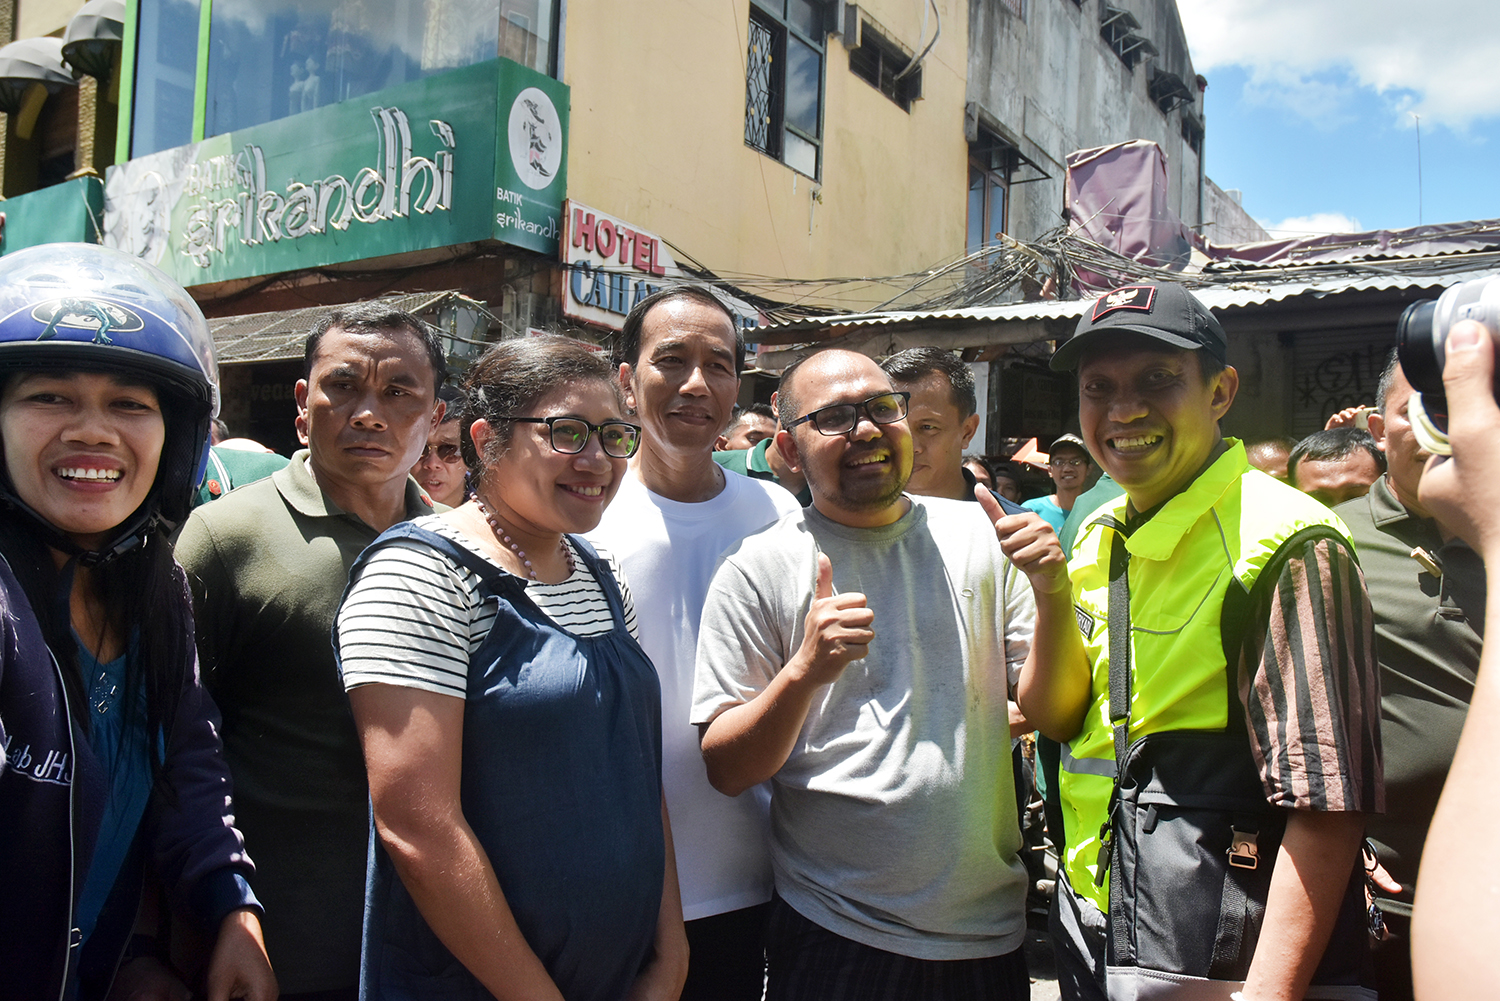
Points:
point(841, 418)
point(446, 452)
point(570, 435)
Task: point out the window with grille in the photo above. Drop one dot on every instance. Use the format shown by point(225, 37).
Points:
point(784, 82)
point(880, 63)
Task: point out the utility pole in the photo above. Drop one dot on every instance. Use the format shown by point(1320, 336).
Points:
point(1419, 166)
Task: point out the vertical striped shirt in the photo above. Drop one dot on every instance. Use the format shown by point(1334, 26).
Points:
point(1310, 684)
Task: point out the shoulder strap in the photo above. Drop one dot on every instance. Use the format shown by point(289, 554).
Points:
point(493, 576)
point(1241, 603)
point(1119, 712)
point(1119, 638)
point(605, 579)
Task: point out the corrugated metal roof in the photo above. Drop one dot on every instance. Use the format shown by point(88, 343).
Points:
point(1235, 296)
point(1217, 297)
point(1436, 240)
point(280, 336)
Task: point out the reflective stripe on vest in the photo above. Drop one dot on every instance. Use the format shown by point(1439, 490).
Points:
point(1227, 524)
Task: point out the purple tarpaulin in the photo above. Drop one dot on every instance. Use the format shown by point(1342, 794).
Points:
point(1116, 196)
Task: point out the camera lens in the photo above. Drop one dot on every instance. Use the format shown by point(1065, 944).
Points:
point(1417, 347)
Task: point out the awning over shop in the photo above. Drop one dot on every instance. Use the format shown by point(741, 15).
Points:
point(28, 62)
point(94, 36)
point(264, 337)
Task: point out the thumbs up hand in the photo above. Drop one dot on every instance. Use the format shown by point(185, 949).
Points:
point(837, 630)
point(1028, 542)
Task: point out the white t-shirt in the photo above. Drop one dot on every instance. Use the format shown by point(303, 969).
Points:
point(893, 821)
point(668, 550)
point(414, 617)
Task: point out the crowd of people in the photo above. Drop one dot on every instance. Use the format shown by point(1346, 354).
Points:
point(575, 680)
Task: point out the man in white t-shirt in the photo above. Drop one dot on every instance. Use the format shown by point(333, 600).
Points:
point(680, 355)
point(857, 654)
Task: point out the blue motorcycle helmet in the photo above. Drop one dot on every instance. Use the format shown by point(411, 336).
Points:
point(82, 307)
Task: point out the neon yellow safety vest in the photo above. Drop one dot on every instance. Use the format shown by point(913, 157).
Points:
point(1227, 524)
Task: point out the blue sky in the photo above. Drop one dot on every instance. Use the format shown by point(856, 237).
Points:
point(1310, 102)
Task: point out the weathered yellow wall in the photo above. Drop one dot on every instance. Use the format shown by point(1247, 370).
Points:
point(657, 138)
point(44, 17)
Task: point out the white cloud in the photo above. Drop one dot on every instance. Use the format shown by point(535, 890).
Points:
point(1436, 58)
point(1317, 224)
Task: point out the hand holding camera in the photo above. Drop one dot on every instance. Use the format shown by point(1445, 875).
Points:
point(1463, 492)
point(1422, 342)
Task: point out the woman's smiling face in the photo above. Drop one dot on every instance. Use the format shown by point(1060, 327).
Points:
point(537, 490)
point(81, 448)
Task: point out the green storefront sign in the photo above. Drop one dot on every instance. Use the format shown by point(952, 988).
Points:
point(423, 165)
point(70, 212)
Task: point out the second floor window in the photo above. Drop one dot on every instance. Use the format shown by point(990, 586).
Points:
point(989, 190)
point(166, 72)
point(784, 82)
point(268, 59)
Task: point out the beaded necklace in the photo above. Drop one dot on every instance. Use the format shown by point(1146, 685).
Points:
point(510, 543)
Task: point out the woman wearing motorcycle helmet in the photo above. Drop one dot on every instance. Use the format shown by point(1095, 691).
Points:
point(111, 767)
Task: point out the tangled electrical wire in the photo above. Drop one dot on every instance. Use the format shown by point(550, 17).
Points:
point(1054, 266)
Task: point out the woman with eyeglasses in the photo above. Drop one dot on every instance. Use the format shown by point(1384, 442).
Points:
point(511, 723)
point(441, 470)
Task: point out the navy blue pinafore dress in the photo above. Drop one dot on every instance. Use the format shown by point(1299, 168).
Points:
point(561, 785)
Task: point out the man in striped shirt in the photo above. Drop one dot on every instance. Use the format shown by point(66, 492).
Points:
point(1245, 619)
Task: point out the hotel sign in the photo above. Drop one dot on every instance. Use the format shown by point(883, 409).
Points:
point(612, 265)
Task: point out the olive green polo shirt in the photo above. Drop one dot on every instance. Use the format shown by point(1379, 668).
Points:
point(267, 565)
point(1427, 637)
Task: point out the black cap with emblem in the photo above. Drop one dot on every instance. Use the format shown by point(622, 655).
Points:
point(1167, 311)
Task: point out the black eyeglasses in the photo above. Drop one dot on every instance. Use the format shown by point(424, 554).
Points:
point(570, 435)
point(841, 418)
point(447, 452)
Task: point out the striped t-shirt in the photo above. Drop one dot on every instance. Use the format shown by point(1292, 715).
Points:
point(414, 617)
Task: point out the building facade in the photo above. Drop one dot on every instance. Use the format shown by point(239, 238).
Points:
point(1048, 77)
point(554, 160)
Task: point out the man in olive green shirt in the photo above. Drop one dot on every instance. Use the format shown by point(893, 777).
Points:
point(267, 565)
point(1427, 590)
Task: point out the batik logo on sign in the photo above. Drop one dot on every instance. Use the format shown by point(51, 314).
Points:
point(535, 138)
point(1136, 297)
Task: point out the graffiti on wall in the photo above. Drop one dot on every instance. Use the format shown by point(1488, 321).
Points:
point(1343, 377)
